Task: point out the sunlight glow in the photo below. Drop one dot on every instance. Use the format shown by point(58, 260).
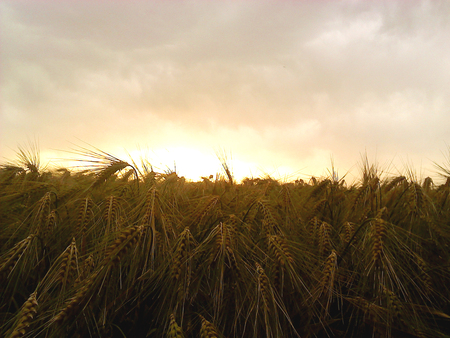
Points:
point(192, 163)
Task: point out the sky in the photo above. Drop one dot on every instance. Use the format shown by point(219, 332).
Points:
point(288, 89)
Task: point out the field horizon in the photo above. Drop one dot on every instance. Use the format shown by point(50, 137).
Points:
point(88, 157)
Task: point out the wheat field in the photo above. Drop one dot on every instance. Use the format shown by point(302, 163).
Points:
point(118, 250)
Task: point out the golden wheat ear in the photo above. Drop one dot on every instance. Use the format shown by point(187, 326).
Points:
point(174, 330)
point(85, 289)
point(14, 255)
point(26, 315)
point(180, 253)
point(264, 286)
point(68, 265)
point(378, 235)
point(126, 239)
point(208, 330)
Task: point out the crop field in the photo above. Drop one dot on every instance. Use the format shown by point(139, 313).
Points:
point(118, 251)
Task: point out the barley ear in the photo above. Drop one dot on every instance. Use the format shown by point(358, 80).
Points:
point(263, 285)
point(29, 309)
point(8, 262)
point(379, 233)
point(174, 330)
point(207, 330)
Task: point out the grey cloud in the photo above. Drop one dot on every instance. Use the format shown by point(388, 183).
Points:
point(297, 78)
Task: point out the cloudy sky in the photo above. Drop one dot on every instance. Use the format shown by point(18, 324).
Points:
point(282, 87)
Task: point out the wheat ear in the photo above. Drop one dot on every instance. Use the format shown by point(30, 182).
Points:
point(329, 271)
point(379, 233)
point(77, 300)
point(29, 309)
point(122, 244)
point(174, 330)
point(68, 264)
point(14, 254)
point(207, 330)
point(180, 253)
point(263, 285)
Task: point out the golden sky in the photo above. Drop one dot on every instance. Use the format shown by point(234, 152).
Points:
point(282, 87)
